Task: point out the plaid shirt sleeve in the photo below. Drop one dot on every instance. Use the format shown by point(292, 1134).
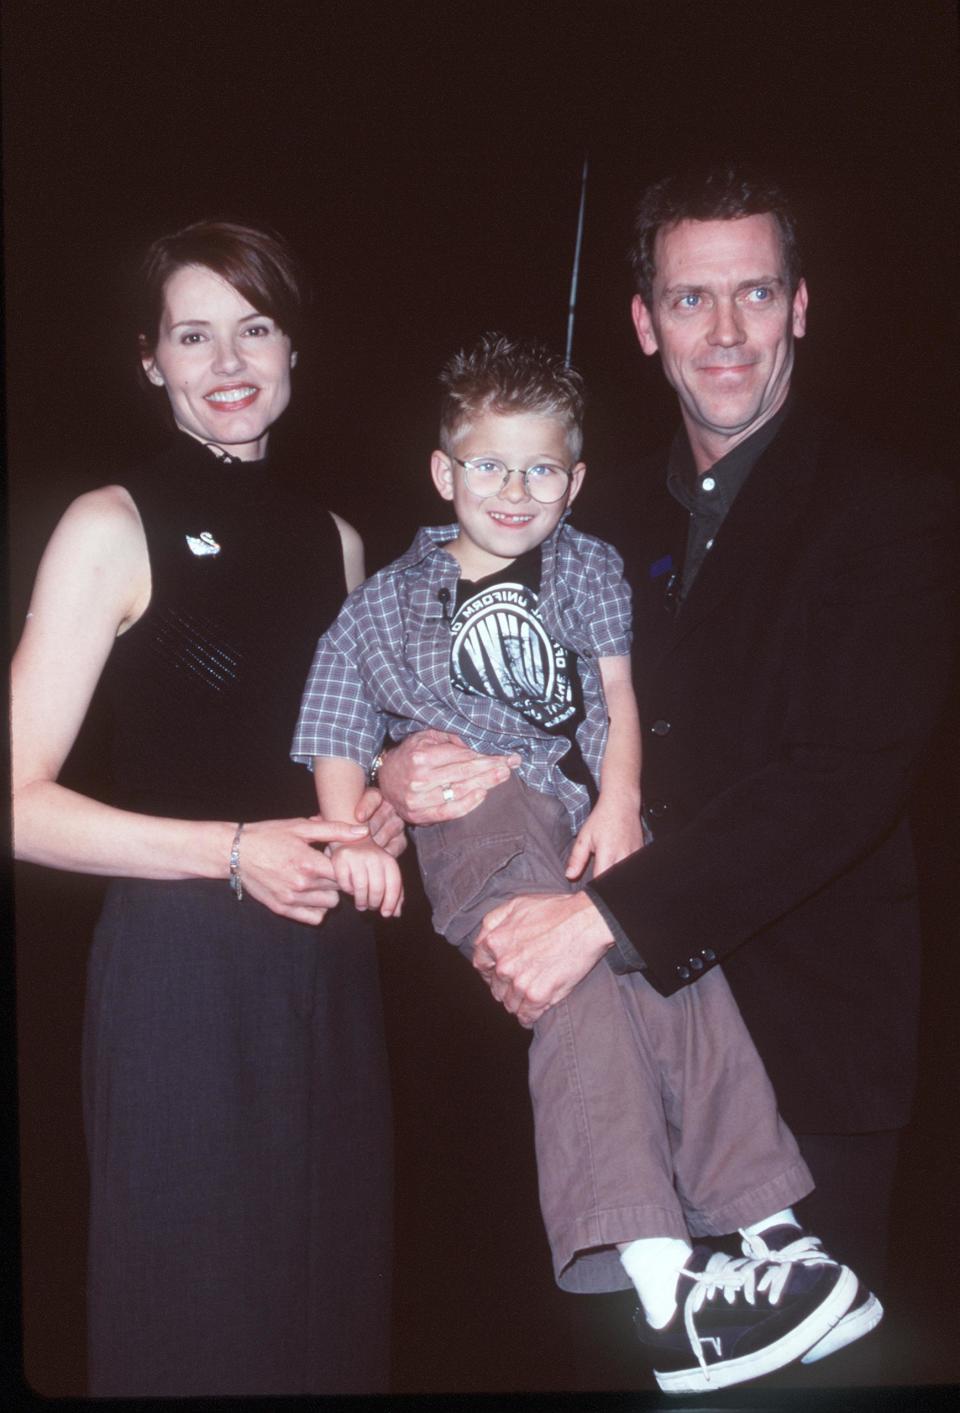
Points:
point(611, 626)
point(593, 572)
point(336, 718)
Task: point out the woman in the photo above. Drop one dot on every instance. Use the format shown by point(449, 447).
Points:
point(235, 1087)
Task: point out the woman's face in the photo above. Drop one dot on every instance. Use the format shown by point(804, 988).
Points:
point(225, 367)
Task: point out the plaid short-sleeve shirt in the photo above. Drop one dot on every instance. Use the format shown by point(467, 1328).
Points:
point(383, 668)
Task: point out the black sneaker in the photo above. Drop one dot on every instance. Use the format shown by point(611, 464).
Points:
point(743, 1318)
point(791, 1244)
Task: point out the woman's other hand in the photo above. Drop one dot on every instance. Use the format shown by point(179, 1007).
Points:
point(283, 867)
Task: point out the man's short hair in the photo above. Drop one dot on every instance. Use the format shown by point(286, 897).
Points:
point(724, 192)
point(509, 376)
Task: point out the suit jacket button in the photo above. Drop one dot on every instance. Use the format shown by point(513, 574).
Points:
point(696, 963)
point(660, 727)
point(657, 808)
point(708, 954)
point(683, 973)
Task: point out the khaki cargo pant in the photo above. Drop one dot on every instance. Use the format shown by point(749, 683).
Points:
point(653, 1115)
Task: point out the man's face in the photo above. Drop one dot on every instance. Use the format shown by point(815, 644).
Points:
point(723, 322)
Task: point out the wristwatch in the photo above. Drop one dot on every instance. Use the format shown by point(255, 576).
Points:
point(374, 770)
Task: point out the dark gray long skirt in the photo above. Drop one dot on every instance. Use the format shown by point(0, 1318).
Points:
point(237, 1119)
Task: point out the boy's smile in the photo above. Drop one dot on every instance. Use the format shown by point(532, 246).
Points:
point(497, 529)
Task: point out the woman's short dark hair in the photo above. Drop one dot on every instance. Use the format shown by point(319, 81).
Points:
point(724, 192)
point(258, 264)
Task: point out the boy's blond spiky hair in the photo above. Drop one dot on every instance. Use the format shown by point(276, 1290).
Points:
point(509, 376)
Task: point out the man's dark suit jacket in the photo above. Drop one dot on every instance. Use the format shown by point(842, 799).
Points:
point(784, 708)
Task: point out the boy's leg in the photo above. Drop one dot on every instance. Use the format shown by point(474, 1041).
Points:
point(514, 842)
point(734, 1159)
point(668, 1107)
point(628, 1087)
point(736, 1163)
point(603, 1154)
point(597, 1072)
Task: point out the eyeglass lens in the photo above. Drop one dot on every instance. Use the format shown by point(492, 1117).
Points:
point(544, 482)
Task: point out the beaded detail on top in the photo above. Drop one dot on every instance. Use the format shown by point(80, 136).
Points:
point(204, 689)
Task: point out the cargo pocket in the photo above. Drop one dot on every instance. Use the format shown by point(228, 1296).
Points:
point(457, 874)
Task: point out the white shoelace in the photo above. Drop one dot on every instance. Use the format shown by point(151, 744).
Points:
point(735, 1274)
point(805, 1251)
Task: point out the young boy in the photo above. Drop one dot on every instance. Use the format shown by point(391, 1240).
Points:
point(653, 1116)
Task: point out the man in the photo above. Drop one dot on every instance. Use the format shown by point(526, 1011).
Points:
point(792, 596)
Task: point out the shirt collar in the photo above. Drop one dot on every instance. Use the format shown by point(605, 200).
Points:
point(717, 489)
point(430, 538)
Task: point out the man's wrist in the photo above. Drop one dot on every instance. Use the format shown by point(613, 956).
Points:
point(598, 931)
point(384, 777)
point(620, 947)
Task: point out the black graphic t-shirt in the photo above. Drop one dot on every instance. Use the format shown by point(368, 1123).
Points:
point(500, 649)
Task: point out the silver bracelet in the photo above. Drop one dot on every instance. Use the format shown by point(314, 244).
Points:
point(374, 771)
point(236, 882)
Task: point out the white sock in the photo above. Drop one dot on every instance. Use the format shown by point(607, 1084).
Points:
point(785, 1218)
point(653, 1263)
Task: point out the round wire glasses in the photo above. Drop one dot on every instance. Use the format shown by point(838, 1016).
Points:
point(545, 481)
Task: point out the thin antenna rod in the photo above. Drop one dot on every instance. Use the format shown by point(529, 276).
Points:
point(572, 308)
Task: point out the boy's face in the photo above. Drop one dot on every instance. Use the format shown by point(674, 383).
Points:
point(496, 529)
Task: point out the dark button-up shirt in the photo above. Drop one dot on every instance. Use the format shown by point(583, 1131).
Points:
point(708, 497)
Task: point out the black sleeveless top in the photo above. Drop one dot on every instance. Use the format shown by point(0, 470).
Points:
point(203, 691)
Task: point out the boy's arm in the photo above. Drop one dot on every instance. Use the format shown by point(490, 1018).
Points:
point(339, 785)
point(338, 721)
point(369, 873)
point(613, 829)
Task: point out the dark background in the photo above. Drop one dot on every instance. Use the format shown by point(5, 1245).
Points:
point(425, 159)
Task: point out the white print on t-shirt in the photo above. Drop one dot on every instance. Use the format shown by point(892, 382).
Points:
point(502, 650)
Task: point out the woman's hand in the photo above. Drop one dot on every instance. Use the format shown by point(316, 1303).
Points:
point(432, 776)
point(283, 867)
